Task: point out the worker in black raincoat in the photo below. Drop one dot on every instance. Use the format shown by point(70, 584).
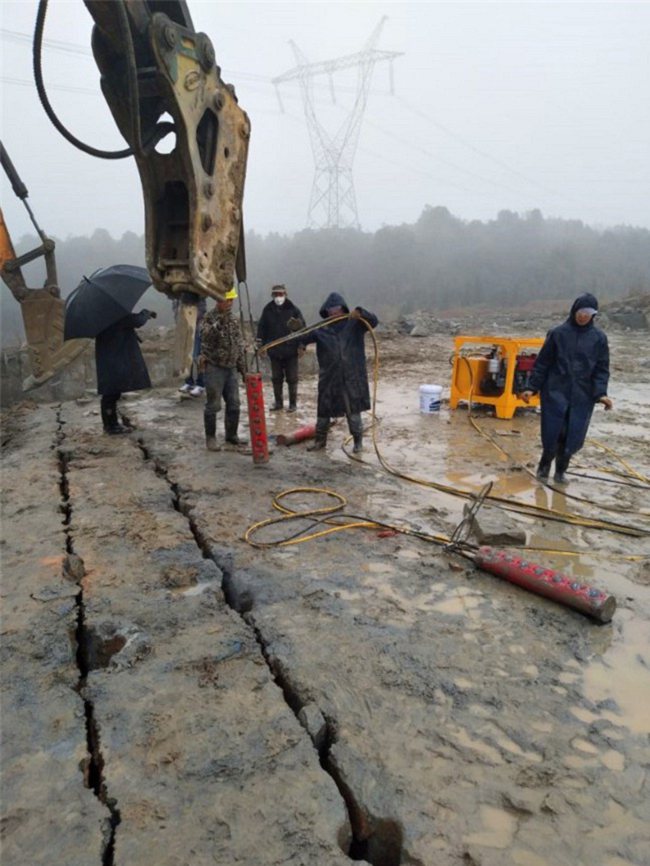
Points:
point(342, 374)
point(120, 366)
point(571, 375)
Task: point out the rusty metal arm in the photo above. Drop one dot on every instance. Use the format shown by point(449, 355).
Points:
point(163, 80)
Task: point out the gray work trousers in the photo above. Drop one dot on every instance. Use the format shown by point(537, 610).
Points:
point(221, 382)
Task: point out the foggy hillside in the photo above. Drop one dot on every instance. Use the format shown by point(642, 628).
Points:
point(439, 262)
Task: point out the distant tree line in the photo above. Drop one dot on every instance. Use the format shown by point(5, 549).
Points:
point(438, 263)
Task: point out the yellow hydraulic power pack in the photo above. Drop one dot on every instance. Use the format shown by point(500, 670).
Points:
point(493, 370)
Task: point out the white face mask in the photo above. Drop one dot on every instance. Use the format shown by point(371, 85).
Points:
point(279, 299)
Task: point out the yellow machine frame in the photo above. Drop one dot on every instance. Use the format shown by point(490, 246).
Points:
point(470, 369)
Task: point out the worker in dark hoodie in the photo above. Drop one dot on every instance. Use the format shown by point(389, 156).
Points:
point(571, 375)
point(342, 374)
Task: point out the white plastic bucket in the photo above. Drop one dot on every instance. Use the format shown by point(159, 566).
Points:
point(430, 396)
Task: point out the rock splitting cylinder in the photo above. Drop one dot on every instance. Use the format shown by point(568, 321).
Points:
point(548, 582)
point(307, 432)
point(256, 418)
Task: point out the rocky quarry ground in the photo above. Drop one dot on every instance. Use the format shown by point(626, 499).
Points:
point(175, 696)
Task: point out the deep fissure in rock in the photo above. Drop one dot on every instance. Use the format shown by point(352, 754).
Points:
point(382, 846)
point(94, 767)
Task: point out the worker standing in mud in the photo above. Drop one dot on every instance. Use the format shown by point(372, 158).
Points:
point(342, 374)
point(280, 317)
point(571, 374)
point(222, 358)
point(120, 366)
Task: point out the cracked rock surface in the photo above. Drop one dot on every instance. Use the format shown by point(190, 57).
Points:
point(174, 696)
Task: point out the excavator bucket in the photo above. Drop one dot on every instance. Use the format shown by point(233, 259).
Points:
point(43, 316)
point(42, 311)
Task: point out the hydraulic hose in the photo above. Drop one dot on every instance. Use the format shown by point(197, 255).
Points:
point(45, 102)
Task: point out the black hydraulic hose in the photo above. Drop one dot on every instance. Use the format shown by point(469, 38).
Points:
point(40, 87)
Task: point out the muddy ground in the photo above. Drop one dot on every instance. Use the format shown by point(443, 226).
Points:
point(173, 696)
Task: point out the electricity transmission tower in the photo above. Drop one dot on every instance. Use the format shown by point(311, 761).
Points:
point(333, 202)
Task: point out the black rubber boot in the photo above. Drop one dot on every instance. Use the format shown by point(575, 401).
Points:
point(561, 466)
point(277, 393)
point(319, 443)
point(232, 423)
point(210, 425)
point(355, 426)
point(544, 466)
point(110, 420)
point(293, 396)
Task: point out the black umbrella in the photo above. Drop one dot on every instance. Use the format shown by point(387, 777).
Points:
point(102, 299)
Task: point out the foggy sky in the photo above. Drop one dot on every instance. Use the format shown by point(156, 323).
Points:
point(496, 106)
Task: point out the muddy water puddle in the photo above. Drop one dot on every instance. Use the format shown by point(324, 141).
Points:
point(622, 675)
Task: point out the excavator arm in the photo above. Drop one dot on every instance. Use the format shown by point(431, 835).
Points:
point(159, 78)
point(42, 309)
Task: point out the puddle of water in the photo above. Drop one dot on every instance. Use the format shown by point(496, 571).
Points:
point(458, 605)
point(584, 746)
point(500, 828)
point(378, 568)
point(504, 742)
point(462, 737)
point(199, 588)
point(576, 762)
point(613, 760)
point(622, 674)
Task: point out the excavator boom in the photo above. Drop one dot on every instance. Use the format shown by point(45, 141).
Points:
point(160, 78)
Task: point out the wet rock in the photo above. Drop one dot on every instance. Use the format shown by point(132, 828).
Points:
point(73, 567)
point(111, 644)
point(492, 526)
point(556, 803)
point(238, 592)
point(312, 720)
point(524, 800)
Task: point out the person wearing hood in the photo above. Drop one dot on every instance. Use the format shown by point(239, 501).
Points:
point(120, 366)
point(280, 317)
point(342, 374)
point(571, 375)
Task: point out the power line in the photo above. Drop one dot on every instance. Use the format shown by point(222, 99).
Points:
point(477, 150)
point(28, 82)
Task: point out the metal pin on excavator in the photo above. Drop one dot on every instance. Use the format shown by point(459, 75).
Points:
point(159, 78)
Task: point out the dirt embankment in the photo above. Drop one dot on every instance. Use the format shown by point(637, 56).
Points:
point(173, 695)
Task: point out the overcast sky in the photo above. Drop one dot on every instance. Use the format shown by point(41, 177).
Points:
point(495, 106)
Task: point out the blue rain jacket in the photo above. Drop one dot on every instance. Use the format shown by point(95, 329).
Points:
point(571, 374)
point(342, 374)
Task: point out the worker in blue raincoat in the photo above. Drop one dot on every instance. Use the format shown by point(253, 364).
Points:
point(571, 375)
point(342, 373)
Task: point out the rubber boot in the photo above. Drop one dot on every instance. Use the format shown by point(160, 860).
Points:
point(561, 466)
point(293, 396)
point(355, 426)
point(320, 441)
point(277, 393)
point(110, 421)
point(210, 425)
point(232, 423)
point(544, 466)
